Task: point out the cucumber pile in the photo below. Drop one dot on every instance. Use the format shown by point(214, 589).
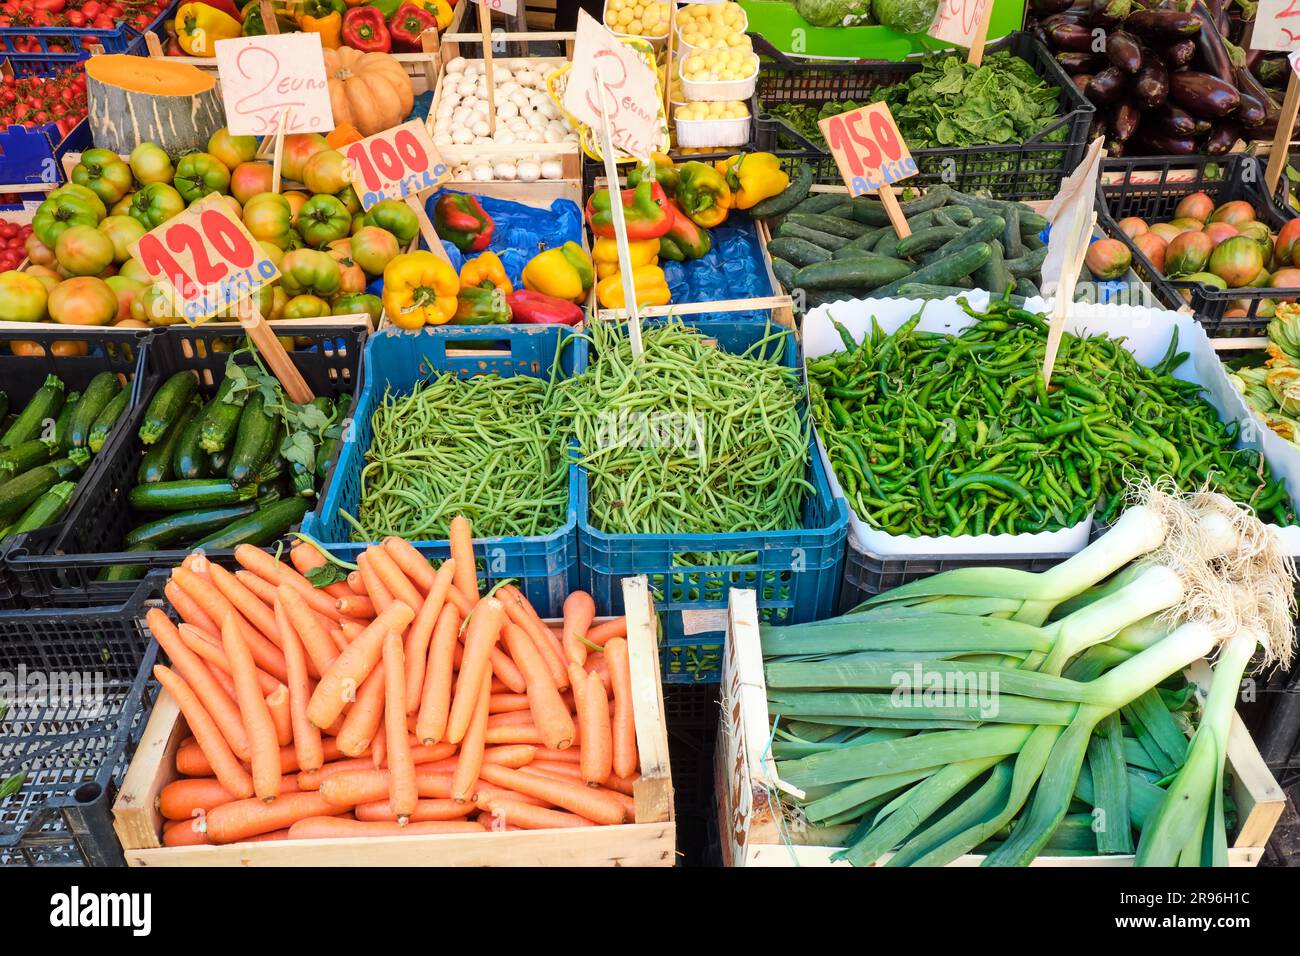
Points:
point(45, 448)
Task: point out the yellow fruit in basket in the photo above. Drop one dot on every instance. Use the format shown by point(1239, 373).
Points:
point(636, 28)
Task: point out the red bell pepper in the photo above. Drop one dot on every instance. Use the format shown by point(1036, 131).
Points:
point(462, 221)
point(645, 210)
point(406, 25)
point(693, 240)
point(364, 30)
point(535, 308)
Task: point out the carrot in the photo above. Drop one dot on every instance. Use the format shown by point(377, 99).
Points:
point(422, 754)
point(246, 602)
point(262, 588)
point(338, 637)
point(414, 565)
point(504, 668)
point(188, 608)
point(597, 736)
point(596, 664)
point(435, 696)
point(351, 630)
point(417, 639)
point(182, 799)
point(268, 837)
point(225, 766)
point(222, 678)
point(364, 716)
point(379, 747)
point(262, 738)
point(624, 725)
point(514, 604)
point(208, 647)
point(315, 779)
point(582, 800)
point(463, 604)
point(401, 767)
point(511, 718)
point(277, 702)
point(399, 586)
point(191, 762)
point(353, 665)
point(245, 818)
point(528, 817)
point(571, 755)
point(471, 748)
point(316, 643)
point(306, 558)
point(306, 735)
point(376, 590)
point(218, 607)
point(424, 810)
point(355, 606)
point(507, 703)
point(185, 833)
point(278, 574)
point(332, 828)
point(220, 705)
point(579, 611)
point(487, 792)
point(355, 584)
point(461, 538)
point(561, 771)
point(513, 734)
point(629, 802)
point(481, 636)
point(351, 787)
point(625, 785)
point(548, 711)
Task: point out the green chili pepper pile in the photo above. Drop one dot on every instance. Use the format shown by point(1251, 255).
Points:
point(482, 447)
point(690, 438)
point(935, 434)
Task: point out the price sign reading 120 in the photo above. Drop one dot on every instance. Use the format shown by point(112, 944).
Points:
point(868, 148)
point(207, 257)
point(394, 164)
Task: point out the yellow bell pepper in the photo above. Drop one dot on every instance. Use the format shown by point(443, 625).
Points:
point(565, 272)
point(644, 252)
point(486, 270)
point(326, 18)
point(752, 177)
point(199, 27)
point(441, 9)
point(650, 284)
point(419, 289)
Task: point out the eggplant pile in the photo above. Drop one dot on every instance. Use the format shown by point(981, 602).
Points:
point(1162, 74)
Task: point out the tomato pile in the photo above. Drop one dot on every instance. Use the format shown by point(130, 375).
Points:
point(13, 239)
point(33, 101)
point(79, 14)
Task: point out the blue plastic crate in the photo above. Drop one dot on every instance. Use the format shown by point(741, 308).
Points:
point(545, 567)
point(32, 156)
point(121, 39)
point(795, 573)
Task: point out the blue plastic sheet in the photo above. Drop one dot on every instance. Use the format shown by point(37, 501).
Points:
point(733, 269)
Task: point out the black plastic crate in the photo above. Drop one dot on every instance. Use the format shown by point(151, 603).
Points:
point(74, 739)
point(1150, 188)
point(60, 566)
point(691, 715)
point(1029, 170)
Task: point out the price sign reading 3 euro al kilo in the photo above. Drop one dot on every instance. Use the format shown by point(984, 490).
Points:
point(207, 257)
point(868, 148)
point(394, 164)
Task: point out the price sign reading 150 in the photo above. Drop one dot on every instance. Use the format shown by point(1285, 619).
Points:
point(868, 148)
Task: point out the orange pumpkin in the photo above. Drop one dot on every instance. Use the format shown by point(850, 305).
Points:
point(369, 91)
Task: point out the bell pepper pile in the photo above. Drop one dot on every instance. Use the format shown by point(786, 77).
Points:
point(371, 26)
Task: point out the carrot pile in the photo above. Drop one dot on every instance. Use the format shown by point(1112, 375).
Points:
point(398, 702)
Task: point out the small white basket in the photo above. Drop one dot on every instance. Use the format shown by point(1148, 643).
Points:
point(685, 49)
point(712, 132)
point(715, 89)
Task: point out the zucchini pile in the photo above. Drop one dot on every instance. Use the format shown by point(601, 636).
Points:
point(46, 447)
point(836, 248)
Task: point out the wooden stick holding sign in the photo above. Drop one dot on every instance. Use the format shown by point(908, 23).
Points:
point(1286, 117)
point(668, 63)
point(485, 26)
point(626, 275)
point(871, 155)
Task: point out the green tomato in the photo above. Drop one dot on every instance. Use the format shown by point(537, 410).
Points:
point(123, 231)
point(373, 248)
point(155, 204)
point(198, 174)
point(103, 172)
point(22, 297)
point(397, 217)
point(85, 194)
point(355, 303)
point(83, 250)
point(306, 307)
point(58, 212)
point(151, 164)
point(308, 271)
point(322, 219)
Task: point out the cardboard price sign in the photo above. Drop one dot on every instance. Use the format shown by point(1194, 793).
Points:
point(207, 257)
point(1277, 25)
point(868, 148)
point(508, 7)
point(959, 22)
point(269, 79)
point(394, 164)
point(604, 67)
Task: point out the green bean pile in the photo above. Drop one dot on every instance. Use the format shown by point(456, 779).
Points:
point(935, 434)
point(691, 438)
point(483, 447)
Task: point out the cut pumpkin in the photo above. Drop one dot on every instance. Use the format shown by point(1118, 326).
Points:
point(137, 99)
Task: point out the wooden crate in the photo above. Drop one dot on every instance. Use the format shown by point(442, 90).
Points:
point(750, 823)
point(650, 841)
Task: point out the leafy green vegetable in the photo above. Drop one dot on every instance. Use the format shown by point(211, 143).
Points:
point(906, 16)
point(836, 13)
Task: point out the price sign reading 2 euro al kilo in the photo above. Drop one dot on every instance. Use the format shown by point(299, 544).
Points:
point(394, 164)
point(868, 148)
point(207, 257)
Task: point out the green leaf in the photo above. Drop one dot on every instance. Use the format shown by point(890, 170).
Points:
point(326, 575)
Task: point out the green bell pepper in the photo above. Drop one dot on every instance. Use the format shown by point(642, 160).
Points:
point(479, 306)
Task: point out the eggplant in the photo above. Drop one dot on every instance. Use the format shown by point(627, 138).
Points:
point(1249, 85)
point(1124, 51)
point(1212, 53)
point(1124, 120)
point(1203, 95)
point(1170, 24)
point(1223, 138)
point(1219, 16)
point(1047, 7)
point(1251, 114)
point(1158, 143)
point(1106, 87)
point(1109, 14)
point(1202, 128)
point(1179, 53)
point(1115, 149)
point(1272, 71)
point(1069, 36)
point(1076, 63)
point(1096, 128)
point(1172, 121)
point(1151, 88)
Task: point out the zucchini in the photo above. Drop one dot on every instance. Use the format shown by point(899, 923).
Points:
point(261, 527)
point(819, 202)
point(103, 388)
point(123, 572)
point(784, 272)
point(46, 509)
point(156, 462)
point(793, 195)
point(25, 457)
point(944, 272)
point(920, 290)
point(19, 492)
point(221, 417)
point(46, 403)
point(188, 459)
point(254, 442)
point(219, 462)
point(871, 212)
point(1012, 245)
point(1030, 264)
point(827, 223)
point(926, 240)
point(993, 275)
point(185, 525)
point(103, 426)
point(166, 405)
point(983, 230)
point(852, 273)
point(824, 239)
point(61, 423)
point(801, 252)
point(186, 495)
point(327, 447)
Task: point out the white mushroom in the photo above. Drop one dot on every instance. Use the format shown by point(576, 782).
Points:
point(456, 65)
point(529, 171)
point(552, 169)
point(482, 172)
point(504, 170)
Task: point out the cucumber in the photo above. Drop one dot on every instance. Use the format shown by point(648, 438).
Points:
point(887, 244)
point(1032, 243)
point(920, 290)
point(327, 448)
point(254, 442)
point(185, 525)
point(947, 216)
point(983, 230)
point(819, 202)
point(123, 572)
point(1026, 287)
point(46, 509)
point(60, 435)
point(104, 423)
point(261, 527)
point(185, 495)
point(793, 195)
point(945, 271)
point(46, 403)
point(993, 275)
point(25, 457)
point(827, 223)
point(784, 272)
point(166, 404)
point(189, 460)
point(829, 296)
point(1030, 264)
point(17, 493)
point(1012, 245)
point(824, 239)
point(871, 212)
point(156, 463)
point(1031, 223)
point(852, 273)
point(221, 417)
point(841, 210)
point(926, 240)
point(864, 242)
point(103, 388)
point(801, 252)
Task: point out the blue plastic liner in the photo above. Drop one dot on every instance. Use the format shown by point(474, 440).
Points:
point(733, 268)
